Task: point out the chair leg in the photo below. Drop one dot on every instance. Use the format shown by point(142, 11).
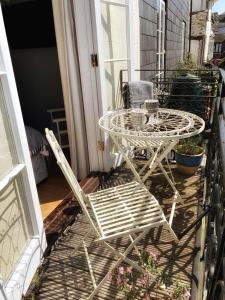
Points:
point(123, 257)
point(135, 247)
point(89, 265)
point(126, 259)
point(81, 242)
point(173, 233)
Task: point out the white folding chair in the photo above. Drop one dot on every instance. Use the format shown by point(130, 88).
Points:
point(127, 210)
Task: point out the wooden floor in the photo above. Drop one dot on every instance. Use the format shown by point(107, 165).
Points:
point(66, 277)
point(51, 192)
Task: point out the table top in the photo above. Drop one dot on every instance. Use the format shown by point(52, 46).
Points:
point(165, 124)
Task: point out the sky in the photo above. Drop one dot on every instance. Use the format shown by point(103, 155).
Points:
point(219, 6)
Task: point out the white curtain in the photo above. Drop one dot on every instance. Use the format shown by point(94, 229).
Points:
point(71, 85)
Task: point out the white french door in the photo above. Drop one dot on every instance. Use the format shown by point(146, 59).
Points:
point(115, 34)
point(104, 30)
point(22, 238)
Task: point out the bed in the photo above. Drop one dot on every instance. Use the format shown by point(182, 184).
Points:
point(38, 146)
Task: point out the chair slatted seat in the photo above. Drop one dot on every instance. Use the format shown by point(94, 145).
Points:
point(124, 209)
point(127, 210)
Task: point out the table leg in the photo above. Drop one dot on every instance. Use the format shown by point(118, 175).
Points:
point(167, 149)
point(125, 156)
point(157, 161)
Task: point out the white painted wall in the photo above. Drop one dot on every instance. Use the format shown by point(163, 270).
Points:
point(198, 5)
point(221, 28)
point(195, 49)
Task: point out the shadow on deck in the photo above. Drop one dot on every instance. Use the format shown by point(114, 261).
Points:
point(67, 277)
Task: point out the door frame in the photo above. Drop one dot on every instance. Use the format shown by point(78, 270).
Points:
point(28, 263)
point(92, 105)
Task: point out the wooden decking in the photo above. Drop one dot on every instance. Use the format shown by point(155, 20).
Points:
point(66, 277)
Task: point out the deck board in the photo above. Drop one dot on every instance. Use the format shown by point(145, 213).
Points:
point(67, 277)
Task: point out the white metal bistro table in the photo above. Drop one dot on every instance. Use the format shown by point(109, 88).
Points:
point(159, 136)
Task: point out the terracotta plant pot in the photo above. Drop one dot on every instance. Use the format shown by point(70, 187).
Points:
point(188, 164)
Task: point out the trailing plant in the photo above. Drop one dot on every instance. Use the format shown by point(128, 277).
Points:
point(137, 285)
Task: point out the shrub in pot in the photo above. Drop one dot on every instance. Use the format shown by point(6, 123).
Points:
point(188, 158)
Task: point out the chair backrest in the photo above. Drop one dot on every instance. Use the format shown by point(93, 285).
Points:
point(69, 175)
point(135, 93)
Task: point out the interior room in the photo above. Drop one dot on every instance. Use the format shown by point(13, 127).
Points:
point(31, 38)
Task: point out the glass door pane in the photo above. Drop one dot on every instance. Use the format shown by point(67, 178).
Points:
point(114, 20)
point(7, 147)
point(15, 225)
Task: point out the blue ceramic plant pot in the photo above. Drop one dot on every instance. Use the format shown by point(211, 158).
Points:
point(188, 164)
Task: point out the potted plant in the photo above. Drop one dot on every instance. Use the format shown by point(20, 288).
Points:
point(188, 156)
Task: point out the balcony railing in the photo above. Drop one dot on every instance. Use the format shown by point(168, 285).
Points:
point(204, 97)
point(195, 91)
point(214, 256)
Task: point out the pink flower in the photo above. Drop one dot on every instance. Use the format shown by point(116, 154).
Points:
point(121, 270)
point(155, 256)
point(129, 270)
point(109, 276)
point(187, 295)
point(144, 278)
point(131, 287)
point(119, 281)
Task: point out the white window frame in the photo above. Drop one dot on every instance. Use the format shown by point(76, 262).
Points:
point(128, 5)
point(218, 47)
point(161, 41)
point(183, 40)
point(18, 282)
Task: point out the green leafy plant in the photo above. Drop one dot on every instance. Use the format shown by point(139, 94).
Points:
point(189, 149)
point(180, 292)
point(191, 146)
point(188, 64)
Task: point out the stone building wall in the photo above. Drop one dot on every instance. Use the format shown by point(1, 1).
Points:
point(177, 11)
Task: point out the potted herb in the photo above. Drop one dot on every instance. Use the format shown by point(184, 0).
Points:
point(189, 156)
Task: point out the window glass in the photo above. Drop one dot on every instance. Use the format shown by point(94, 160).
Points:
point(122, 2)
point(114, 21)
point(160, 37)
point(112, 70)
point(13, 227)
point(7, 148)
point(14, 223)
point(183, 40)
